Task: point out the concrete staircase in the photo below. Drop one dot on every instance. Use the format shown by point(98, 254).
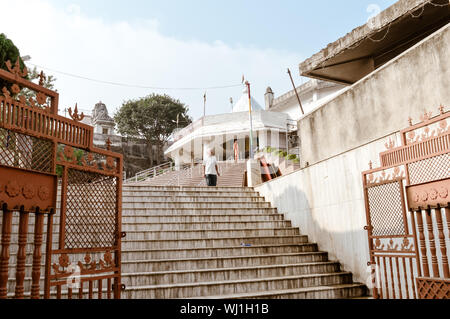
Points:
point(225, 242)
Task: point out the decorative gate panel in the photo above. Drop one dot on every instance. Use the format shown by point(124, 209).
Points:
point(406, 225)
point(49, 169)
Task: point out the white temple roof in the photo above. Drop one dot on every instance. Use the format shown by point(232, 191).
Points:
point(242, 104)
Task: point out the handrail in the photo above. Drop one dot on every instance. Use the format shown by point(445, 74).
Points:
point(151, 172)
point(158, 171)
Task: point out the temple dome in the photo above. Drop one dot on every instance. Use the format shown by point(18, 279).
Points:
point(242, 104)
point(100, 113)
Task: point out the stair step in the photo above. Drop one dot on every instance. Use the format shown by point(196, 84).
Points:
point(343, 291)
point(196, 205)
point(203, 226)
point(193, 211)
point(228, 274)
point(188, 193)
point(184, 199)
point(224, 251)
point(209, 234)
point(211, 242)
point(221, 262)
point(198, 289)
point(211, 218)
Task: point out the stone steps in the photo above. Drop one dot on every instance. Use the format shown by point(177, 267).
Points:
point(343, 291)
point(224, 251)
point(193, 198)
point(206, 192)
point(200, 205)
point(211, 242)
point(142, 265)
point(221, 262)
point(209, 234)
point(192, 244)
point(235, 287)
point(196, 212)
point(214, 274)
point(203, 226)
point(227, 274)
point(205, 218)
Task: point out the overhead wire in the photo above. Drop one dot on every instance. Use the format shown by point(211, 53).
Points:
point(133, 85)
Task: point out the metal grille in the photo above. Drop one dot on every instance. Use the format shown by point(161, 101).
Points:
point(429, 288)
point(90, 210)
point(25, 152)
point(429, 170)
point(386, 209)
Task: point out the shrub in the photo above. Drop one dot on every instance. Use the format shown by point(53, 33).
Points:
point(8, 51)
point(291, 157)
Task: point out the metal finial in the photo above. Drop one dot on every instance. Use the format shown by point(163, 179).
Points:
point(108, 144)
point(410, 121)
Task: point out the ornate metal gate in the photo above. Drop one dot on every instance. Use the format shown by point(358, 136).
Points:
point(407, 200)
point(49, 169)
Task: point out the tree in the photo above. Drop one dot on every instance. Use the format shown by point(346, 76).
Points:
point(153, 118)
point(8, 52)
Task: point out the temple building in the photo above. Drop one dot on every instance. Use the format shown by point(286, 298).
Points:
point(273, 125)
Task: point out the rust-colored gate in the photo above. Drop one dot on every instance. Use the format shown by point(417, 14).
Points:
point(407, 206)
point(50, 171)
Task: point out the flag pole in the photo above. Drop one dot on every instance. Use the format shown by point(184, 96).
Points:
point(204, 105)
point(250, 117)
point(295, 90)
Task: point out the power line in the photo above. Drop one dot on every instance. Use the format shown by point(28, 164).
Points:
point(132, 85)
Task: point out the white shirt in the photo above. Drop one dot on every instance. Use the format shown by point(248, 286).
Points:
point(210, 165)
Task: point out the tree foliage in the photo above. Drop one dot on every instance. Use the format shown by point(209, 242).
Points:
point(153, 118)
point(8, 51)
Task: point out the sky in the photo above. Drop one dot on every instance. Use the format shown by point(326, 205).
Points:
point(184, 48)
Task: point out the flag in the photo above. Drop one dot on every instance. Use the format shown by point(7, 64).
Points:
point(204, 104)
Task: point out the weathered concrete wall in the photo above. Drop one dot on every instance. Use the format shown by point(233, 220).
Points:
point(387, 16)
point(326, 201)
point(136, 153)
point(380, 103)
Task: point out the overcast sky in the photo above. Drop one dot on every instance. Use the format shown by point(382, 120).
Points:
point(176, 44)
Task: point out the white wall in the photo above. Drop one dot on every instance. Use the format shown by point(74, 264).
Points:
point(416, 81)
point(326, 202)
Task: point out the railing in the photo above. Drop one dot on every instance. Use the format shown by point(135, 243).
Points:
point(151, 172)
point(15, 115)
